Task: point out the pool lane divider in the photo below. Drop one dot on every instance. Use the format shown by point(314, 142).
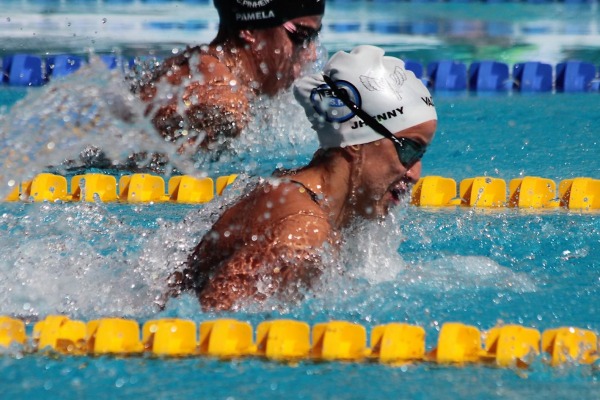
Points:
point(136, 188)
point(441, 76)
point(529, 192)
point(510, 346)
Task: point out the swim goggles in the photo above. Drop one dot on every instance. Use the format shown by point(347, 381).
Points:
point(301, 35)
point(409, 151)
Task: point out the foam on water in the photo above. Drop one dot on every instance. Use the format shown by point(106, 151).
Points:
point(71, 259)
point(458, 272)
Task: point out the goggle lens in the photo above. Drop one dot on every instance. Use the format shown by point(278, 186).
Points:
point(409, 151)
point(301, 35)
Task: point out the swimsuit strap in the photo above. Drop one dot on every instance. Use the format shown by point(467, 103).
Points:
point(313, 195)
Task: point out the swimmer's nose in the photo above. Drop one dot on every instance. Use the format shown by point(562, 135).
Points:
point(414, 173)
point(309, 54)
point(312, 51)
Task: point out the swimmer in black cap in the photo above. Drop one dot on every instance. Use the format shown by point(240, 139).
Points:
point(203, 95)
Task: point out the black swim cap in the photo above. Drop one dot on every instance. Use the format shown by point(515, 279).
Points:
point(260, 14)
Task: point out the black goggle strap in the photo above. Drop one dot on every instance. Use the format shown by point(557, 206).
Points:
point(418, 149)
point(372, 122)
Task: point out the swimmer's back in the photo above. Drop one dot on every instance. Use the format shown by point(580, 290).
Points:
point(268, 214)
point(281, 219)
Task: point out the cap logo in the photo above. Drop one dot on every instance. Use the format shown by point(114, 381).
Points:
point(327, 104)
point(394, 83)
point(253, 3)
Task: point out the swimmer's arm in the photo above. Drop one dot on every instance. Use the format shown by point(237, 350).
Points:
point(285, 266)
point(216, 109)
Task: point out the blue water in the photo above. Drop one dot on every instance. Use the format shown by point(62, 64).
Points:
point(423, 266)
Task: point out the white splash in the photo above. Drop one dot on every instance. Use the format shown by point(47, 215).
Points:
point(456, 272)
point(71, 259)
point(92, 107)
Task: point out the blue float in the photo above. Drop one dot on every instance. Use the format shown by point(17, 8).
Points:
point(343, 27)
point(491, 76)
point(447, 75)
point(389, 27)
point(574, 76)
point(23, 70)
point(62, 65)
point(532, 76)
point(414, 66)
point(424, 27)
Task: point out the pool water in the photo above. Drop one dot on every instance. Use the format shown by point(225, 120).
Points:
point(424, 266)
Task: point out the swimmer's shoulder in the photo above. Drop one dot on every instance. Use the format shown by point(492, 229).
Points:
point(213, 69)
point(194, 60)
point(278, 198)
point(291, 210)
point(280, 214)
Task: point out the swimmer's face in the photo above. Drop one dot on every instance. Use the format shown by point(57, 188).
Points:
point(285, 51)
point(384, 181)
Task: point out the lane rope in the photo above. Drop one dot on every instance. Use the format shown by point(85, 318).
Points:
point(530, 192)
point(510, 346)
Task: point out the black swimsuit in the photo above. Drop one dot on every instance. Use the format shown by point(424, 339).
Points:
point(313, 195)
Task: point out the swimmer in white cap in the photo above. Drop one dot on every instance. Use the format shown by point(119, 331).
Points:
point(202, 97)
point(374, 120)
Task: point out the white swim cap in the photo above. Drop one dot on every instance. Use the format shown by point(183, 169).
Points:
point(380, 85)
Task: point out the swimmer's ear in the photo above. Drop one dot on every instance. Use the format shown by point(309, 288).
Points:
point(352, 152)
point(247, 36)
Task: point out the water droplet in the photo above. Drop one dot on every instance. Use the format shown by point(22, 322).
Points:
point(104, 20)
